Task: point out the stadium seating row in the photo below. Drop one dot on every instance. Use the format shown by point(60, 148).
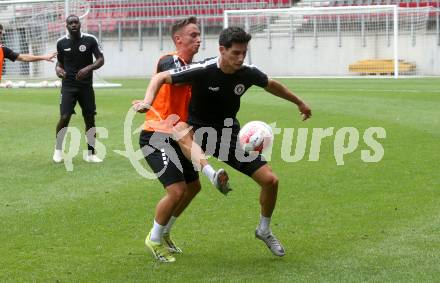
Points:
point(401, 3)
point(346, 3)
point(106, 15)
point(109, 13)
point(115, 10)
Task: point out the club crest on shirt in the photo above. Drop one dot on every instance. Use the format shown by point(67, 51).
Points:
point(239, 89)
point(82, 48)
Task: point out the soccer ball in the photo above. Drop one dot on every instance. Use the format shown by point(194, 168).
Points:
point(44, 84)
point(9, 84)
point(255, 136)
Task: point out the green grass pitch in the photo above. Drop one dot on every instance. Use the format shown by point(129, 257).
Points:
point(357, 222)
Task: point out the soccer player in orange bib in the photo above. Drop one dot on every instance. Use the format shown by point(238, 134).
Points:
point(218, 84)
point(162, 152)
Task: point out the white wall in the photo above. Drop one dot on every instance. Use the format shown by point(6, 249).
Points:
point(327, 59)
point(131, 61)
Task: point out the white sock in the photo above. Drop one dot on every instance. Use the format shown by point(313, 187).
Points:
point(170, 223)
point(264, 227)
point(209, 172)
point(156, 232)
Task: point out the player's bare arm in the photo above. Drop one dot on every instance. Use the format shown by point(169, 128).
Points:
point(282, 91)
point(84, 72)
point(156, 82)
point(33, 58)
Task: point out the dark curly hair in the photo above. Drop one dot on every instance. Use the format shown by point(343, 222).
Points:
point(231, 35)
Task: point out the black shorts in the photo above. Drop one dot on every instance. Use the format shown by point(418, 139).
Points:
point(166, 159)
point(83, 94)
point(223, 144)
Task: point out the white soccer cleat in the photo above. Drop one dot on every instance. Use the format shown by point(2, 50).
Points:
point(272, 243)
point(93, 159)
point(221, 181)
point(57, 156)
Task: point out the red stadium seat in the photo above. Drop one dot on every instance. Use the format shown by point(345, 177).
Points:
point(152, 12)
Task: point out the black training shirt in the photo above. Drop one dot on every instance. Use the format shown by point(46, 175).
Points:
point(216, 95)
point(74, 55)
point(8, 53)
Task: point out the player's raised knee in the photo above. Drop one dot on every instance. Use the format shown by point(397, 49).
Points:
point(195, 189)
point(270, 181)
point(176, 191)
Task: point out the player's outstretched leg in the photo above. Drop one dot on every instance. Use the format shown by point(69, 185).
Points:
point(268, 196)
point(184, 136)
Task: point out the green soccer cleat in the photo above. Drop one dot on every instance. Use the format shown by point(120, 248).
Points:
point(159, 251)
point(170, 244)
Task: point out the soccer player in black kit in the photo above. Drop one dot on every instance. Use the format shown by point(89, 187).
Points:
point(6, 53)
point(217, 87)
point(75, 66)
